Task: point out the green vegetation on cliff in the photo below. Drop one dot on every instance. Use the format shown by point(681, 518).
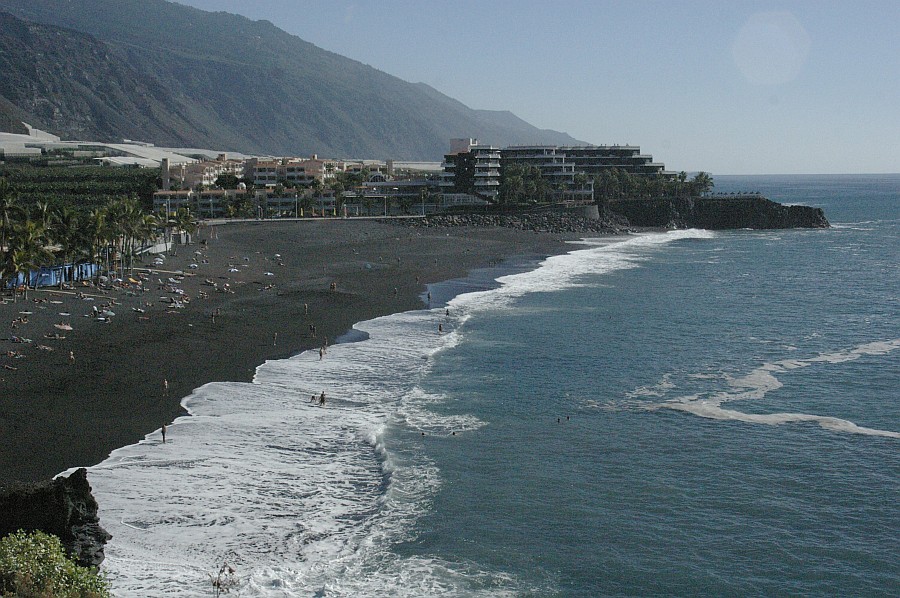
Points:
point(34, 565)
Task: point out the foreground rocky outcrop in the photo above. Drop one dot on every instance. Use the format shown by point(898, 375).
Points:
point(63, 507)
point(717, 213)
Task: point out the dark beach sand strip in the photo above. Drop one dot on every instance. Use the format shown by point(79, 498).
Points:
point(56, 414)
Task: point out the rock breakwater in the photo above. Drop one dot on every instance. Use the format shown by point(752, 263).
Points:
point(542, 222)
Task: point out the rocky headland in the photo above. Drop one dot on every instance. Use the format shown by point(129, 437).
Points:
point(626, 215)
point(717, 212)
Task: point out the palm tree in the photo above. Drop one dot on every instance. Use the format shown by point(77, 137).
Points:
point(369, 203)
point(66, 230)
point(682, 179)
point(580, 180)
point(131, 222)
point(306, 202)
point(318, 186)
point(338, 188)
point(98, 235)
point(115, 233)
point(44, 213)
point(186, 222)
point(148, 229)
point(9, 210)
point(28, 248)
point(512, 185)
point(19, 263)
point(702, 183)
point(607, 182)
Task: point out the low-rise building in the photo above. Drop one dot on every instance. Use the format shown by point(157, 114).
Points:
point(268, 172)
point(221, 203)
point(195, 175)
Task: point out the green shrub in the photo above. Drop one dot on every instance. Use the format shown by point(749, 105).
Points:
point(34, 565)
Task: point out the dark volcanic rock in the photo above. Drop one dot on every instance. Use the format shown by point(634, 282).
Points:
point(718, 212)
point(545, 221)
point(63, 507)
point(712, 213)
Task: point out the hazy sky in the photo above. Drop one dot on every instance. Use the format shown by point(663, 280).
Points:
point(726, 87)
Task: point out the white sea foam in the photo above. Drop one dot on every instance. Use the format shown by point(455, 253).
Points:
point(656, 390)
point(297, 498)
point(305, 500)
point(568, 270)
point(759, 382)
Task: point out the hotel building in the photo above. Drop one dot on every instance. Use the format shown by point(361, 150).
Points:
point(477, 169)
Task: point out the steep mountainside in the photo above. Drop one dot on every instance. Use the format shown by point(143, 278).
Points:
point(175, 75)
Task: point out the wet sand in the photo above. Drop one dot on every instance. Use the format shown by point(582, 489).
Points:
point(56, 413)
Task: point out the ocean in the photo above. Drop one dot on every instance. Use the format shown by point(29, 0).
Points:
point(679, 413)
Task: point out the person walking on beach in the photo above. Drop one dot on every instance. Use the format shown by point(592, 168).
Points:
point(274, 339)
point(164, 433)
point(71, 356)
point(321, 353)
point(165, 387)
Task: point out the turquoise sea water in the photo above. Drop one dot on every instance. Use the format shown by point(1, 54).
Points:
point(688, 413)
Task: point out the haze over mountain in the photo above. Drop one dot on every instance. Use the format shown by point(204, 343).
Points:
point(177, 76)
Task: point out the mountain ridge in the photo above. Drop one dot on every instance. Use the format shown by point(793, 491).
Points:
point(223, 81)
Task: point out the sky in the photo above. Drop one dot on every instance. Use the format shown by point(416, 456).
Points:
point(727, 87)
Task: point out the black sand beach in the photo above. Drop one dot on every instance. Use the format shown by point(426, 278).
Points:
point(57, 412)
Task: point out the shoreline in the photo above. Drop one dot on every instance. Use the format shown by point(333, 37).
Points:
point(129, 376)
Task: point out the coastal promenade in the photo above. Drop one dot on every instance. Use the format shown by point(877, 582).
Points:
point(78, 386)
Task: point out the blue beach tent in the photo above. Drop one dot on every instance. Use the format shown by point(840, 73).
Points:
point(49, 276)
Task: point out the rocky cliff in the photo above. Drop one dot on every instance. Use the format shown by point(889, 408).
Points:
point(63, 507)
point(717, 213)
